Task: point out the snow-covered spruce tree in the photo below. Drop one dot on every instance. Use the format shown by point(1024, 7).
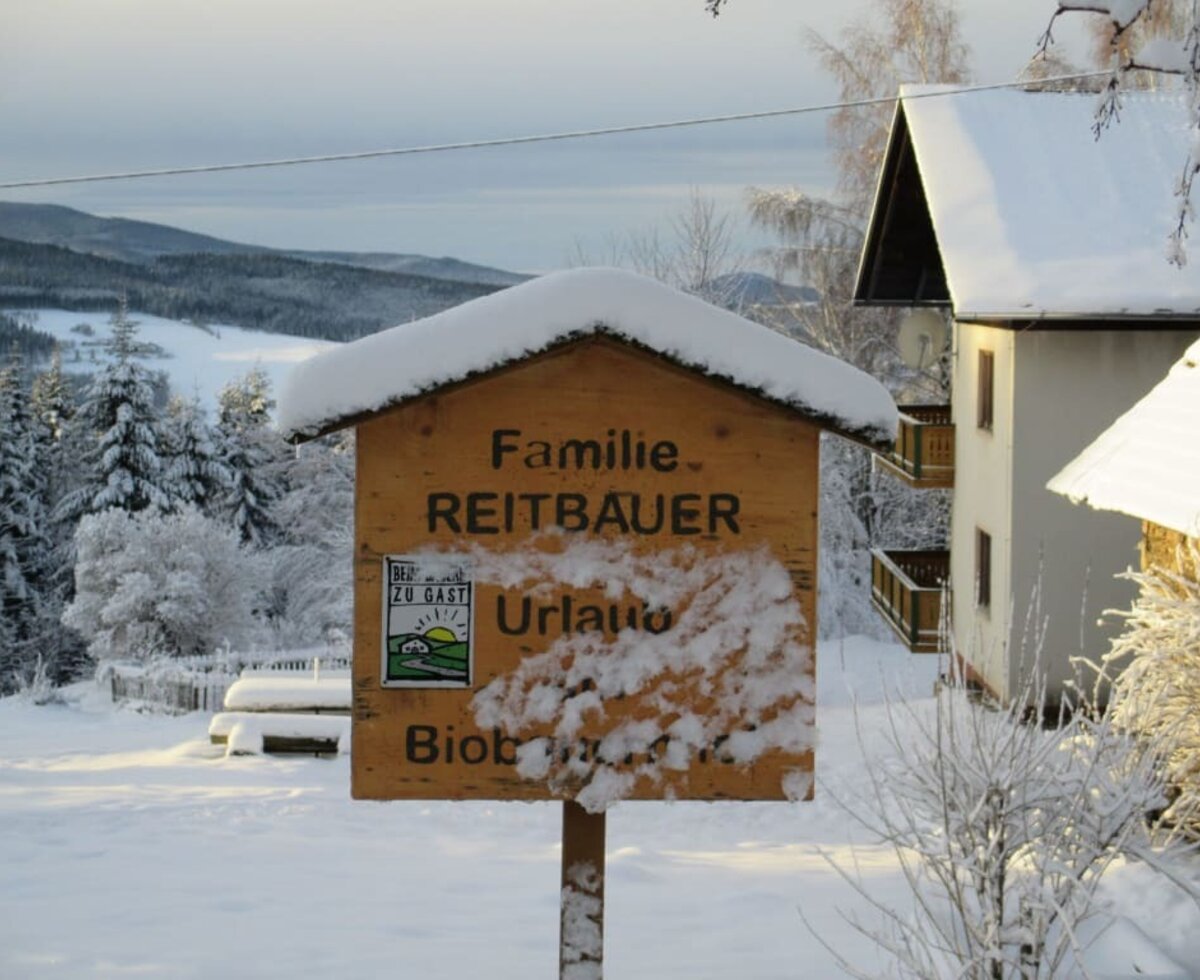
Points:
point(1154, 668)
point(150, 584)
point(123, 467)
point(61, 453)
point(1148, 39)
point(1003, 830)
point(24, 548)
point(52, 401)
point(194, 473)
point(312, 563)
point(254, 455)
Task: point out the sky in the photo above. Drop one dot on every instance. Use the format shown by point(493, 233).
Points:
point(96, 86)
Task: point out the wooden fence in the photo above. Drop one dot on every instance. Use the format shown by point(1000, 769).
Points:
point(185, 684)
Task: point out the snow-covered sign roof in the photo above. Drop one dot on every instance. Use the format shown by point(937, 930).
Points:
point(1147, 463)
point(341, 386)
point(1035, 217)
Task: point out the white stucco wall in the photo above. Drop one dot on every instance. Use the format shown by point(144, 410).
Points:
point(982, 499)
point(1055, 391)
point(1069, 386)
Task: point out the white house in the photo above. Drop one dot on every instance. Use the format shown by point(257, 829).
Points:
point(1049, 248)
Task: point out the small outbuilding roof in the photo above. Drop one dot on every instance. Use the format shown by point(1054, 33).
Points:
point(1147, 463)
point(1031, 215)
point(342, 386)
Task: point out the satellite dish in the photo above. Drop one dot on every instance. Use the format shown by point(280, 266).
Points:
point(922, 338)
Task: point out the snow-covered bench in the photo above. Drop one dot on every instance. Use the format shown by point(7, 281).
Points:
point(253, 733)
point(304, 693)
point(275, 713)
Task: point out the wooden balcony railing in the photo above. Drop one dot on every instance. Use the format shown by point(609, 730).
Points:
point(906, 588)
point(924, 452)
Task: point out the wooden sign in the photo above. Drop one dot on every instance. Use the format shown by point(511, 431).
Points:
point(587, 510)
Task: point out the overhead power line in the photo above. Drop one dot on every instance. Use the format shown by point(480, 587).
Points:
point(519, 140)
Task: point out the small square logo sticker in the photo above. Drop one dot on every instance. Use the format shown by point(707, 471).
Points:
point(428, 621)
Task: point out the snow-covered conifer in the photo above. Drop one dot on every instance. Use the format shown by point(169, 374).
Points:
point(124, 466)
point(255, 456)
point(194, 473)
point(247, 402)
point(24, 549)
point(52, 401)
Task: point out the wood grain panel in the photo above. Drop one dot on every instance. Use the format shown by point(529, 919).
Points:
point(697, 436)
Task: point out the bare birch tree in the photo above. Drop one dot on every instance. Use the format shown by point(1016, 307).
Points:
point(818, 243)
point(697, 254)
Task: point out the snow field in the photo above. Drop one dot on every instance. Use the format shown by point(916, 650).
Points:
point(131, 846)
point(202, 361)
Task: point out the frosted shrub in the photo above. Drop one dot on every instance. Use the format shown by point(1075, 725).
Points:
point(150, 584)
point(1003, 831)
point(1156, 665)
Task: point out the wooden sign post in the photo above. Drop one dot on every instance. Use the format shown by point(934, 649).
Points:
point(586, 572)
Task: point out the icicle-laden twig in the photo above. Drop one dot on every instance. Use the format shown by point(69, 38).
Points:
point(728, 672)
point(1175, 57)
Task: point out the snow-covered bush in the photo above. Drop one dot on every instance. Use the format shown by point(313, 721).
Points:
point(1003, 830)
point(1155, 669)
point(312, 585)
point(151, 584)
point(863, 509)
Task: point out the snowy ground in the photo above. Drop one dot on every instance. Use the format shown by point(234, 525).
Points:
point(200, 360)
point(131, 847)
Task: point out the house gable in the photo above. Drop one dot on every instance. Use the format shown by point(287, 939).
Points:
point(1034, 221)
point(900, 264)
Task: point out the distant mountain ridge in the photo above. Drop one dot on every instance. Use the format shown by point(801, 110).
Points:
point(129, 240)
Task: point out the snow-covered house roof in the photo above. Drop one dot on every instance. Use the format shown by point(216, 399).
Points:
point(1147, 463)
point(1031, 215)
point(342, 386)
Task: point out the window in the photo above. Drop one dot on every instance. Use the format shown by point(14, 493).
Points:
point(983, 569)
point(986, 389)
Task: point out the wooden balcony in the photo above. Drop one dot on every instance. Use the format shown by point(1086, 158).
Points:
point(906, 588)
point(924, 452)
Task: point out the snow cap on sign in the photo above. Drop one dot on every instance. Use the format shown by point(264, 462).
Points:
point(339, 387)
point(1147, 463)
point(1037, 217)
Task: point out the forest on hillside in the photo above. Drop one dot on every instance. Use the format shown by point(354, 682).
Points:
point(263, 292)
